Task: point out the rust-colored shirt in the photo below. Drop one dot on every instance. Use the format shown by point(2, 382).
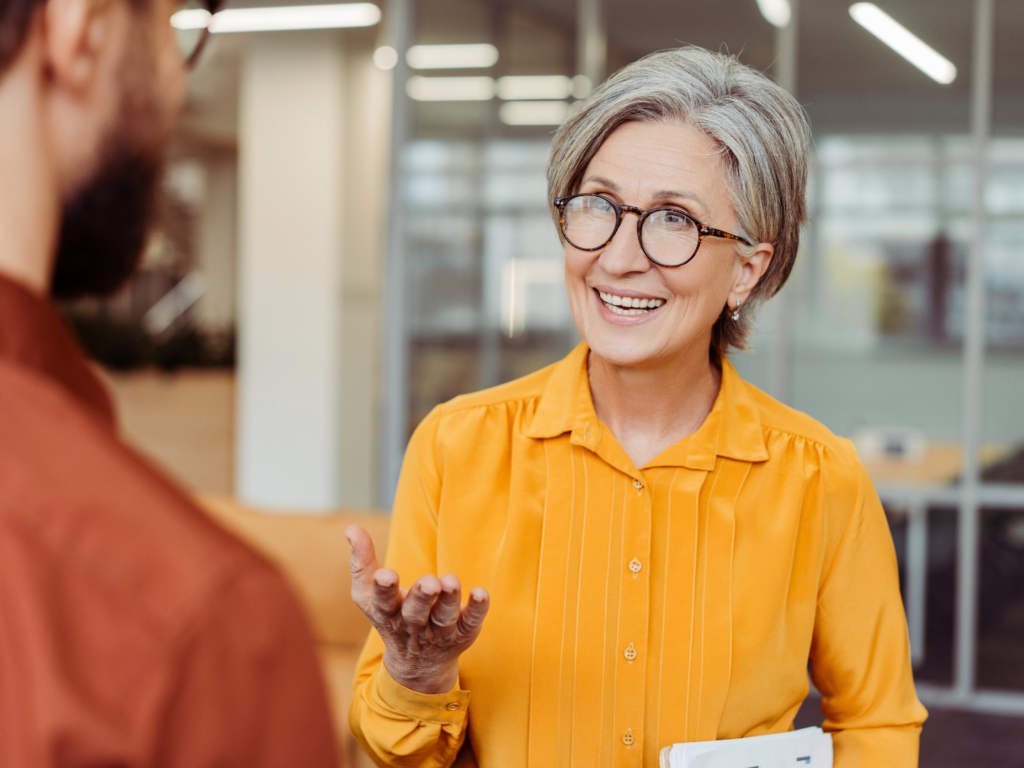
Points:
point(133, 631)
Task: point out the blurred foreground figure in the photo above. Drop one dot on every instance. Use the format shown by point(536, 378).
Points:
point(133, 631)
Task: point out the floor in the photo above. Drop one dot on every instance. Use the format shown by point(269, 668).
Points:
point(184, 422)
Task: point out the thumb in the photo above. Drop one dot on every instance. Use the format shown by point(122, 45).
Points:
point(363, 559)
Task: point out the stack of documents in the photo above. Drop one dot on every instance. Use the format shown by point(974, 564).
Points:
point(794, 749)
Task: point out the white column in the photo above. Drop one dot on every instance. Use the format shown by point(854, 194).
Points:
point(968, 533)
point(779, 314)
point(591, 41)
point(395, 385)
point(309, 142)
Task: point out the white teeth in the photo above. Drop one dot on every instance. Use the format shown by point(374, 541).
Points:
point(621, 311)
point(627, 305)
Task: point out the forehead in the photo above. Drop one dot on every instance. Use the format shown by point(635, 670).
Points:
point(642, 157)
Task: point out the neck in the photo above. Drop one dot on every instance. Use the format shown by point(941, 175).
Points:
point(652, 407)
point(29, 195)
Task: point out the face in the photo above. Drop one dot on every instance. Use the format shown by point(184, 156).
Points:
point(106, 220)
point(649, 165)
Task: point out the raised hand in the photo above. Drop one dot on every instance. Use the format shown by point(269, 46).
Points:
point(425, 628)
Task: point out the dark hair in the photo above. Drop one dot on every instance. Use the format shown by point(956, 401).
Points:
point(15, 18)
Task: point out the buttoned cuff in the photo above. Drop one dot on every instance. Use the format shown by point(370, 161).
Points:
point(445, 708)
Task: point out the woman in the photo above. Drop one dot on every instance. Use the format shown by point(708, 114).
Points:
point(665, 546)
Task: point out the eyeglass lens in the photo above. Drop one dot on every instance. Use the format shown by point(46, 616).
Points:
point(669, 237)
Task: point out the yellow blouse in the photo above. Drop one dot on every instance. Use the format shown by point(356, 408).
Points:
point(636, 608)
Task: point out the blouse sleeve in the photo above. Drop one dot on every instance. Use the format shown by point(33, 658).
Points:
point(860, 653)
point(395, 725)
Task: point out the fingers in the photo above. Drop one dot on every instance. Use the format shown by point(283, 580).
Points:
point(385, 595)
point(418, 603)
point(448, 606)
point(362, 561)
point(474, 612)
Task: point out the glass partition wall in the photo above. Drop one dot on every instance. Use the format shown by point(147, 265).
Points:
point(902, 327)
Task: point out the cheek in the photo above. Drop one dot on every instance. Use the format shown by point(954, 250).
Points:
point(577, 266)
point(709, 281)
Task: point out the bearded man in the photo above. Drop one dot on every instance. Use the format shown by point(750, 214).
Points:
point(133, 631)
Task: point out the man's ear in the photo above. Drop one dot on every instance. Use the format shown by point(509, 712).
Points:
point(751, 270)
point(74, 33)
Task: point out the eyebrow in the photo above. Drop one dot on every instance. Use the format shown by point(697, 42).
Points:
point(662, 194)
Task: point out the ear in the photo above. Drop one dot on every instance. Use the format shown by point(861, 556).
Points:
point(750, 270)
point(75, 32)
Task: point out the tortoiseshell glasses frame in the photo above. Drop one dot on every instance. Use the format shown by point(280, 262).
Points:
point(703, 230)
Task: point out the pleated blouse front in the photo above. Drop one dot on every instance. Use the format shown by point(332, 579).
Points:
point(633, 608)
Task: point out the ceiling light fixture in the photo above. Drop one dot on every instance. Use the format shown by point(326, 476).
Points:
point(535, 87)
point(452, 56)
point(581, 86)
point(281, 18)
point(534, 112)
point(904, 42)
point(192, 18)
point(450, 88)
point(777, 12)
point(385, 57)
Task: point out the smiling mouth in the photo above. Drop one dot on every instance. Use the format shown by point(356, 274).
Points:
point(626, 305)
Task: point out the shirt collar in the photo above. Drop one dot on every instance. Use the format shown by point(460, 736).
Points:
point(732, 429)
point(32, 336)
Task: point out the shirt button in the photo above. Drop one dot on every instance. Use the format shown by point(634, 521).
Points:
point(630, 653)
point(452, 707)
point(637, 484)
point(635, 566)
point(627, 738)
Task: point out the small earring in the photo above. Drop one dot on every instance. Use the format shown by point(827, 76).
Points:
point(736, 312)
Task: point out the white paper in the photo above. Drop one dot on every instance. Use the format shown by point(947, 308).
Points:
point(808, 747)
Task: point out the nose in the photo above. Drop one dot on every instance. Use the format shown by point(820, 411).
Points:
point(623, 255)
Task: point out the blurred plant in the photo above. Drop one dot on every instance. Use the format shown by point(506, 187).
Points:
point(121, 344)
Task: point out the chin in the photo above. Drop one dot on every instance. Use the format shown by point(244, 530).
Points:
point(621, 350)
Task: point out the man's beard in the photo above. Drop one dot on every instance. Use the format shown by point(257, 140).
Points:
point(106, 223)
point(105, 226)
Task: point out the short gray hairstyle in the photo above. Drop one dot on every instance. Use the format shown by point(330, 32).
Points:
point(762, 132)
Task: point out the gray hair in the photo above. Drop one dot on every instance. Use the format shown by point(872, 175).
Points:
point(762, 133)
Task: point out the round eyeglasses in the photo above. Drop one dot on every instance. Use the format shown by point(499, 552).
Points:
point(668, 236)
point(192, 28)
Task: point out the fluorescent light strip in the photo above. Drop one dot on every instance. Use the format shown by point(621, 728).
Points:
point(450, 88)
point(776, 12)
point(451, 56)
point(281, 18)
point(904, 42)
point(535, 87)
point(191, 19)
point(534, 112)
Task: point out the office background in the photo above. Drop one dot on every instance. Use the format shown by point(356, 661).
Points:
point(356, 229)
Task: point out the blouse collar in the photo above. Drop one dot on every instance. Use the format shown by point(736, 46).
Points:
point(732, 429)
